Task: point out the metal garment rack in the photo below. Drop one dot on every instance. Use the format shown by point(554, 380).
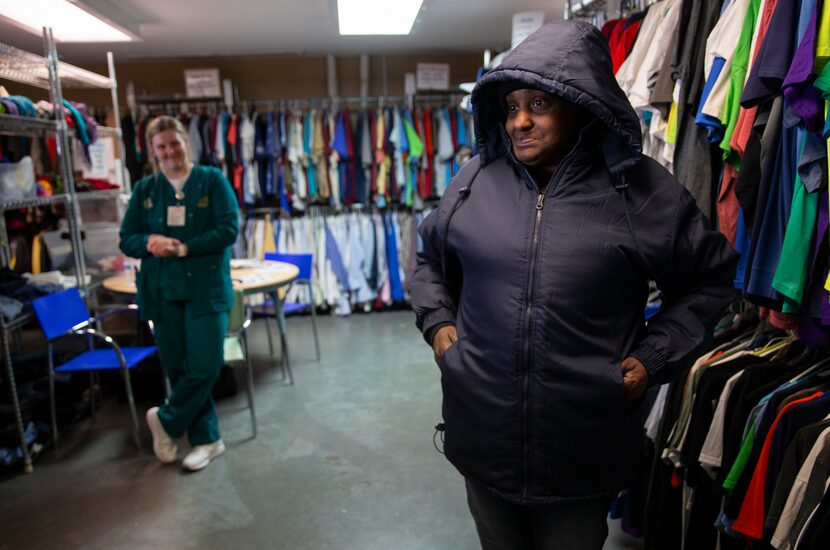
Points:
point(49, 73)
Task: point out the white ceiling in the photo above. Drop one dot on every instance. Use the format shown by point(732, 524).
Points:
point(185, 28)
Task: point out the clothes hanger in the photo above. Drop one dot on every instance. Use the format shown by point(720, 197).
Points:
point(812, 369)
point(776, 344)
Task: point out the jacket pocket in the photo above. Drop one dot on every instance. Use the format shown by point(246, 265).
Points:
point(448, 365)
point(442, 363)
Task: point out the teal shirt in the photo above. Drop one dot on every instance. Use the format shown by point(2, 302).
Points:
point(211, 226)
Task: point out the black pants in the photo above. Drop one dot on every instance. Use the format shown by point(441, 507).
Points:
point(569, 524)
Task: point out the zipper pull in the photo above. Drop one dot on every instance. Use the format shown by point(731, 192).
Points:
point(540, 202)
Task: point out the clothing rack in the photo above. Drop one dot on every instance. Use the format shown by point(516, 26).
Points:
point(287, 103)
point(584, 9)
point(258, 168)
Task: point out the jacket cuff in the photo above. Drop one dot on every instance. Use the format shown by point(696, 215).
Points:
point(652, 360)
point(429, 335)
point(433, 320)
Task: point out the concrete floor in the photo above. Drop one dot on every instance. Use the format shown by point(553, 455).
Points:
point(344, 459)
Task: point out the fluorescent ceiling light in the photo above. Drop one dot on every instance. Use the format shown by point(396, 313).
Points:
point(69, 22)
point(377, 16)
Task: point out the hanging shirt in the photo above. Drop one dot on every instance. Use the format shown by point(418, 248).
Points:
point(627, 72)
point(194, 138)
point(791, 273)
point(624, 40)
point(823, 38)
point(737, 76)
point(392, 258)
point(247, 136)
point(750, 521)
point(723, 43)
point(747, 113)
point(803, 99)
point(774, 221)
point(398, 139)
point(713, 125)
point(220, 136)
point(668, 16)
point(774, 54)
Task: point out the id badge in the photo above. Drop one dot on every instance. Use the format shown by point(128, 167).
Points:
point(175, 216)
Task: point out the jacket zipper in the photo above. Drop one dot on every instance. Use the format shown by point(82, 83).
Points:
point(540, 203)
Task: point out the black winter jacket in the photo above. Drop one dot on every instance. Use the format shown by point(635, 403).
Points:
point(548, 291)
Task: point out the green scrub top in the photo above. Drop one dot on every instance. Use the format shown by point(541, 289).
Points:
point(210, 228)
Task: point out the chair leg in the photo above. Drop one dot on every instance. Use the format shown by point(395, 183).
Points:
point(270, 339)
point(314, 326)
point(131, 401)
point(250, 380)
point(287, 376)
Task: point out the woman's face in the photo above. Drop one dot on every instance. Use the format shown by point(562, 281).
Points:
point(168, 147)
point(542, 127)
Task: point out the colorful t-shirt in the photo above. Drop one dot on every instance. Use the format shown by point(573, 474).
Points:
point(740, 63)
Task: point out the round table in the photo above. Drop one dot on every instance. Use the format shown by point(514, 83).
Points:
point(249, 276)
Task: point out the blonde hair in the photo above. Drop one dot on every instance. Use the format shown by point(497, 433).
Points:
point(159, 125)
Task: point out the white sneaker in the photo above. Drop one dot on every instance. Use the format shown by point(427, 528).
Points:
point(201, 455)
point(163, 445)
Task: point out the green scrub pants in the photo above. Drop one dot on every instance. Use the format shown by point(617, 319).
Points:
point(191, 349)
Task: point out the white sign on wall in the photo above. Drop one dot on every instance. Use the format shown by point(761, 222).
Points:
point(101, 156)
point(409, 87)
point(524, 24)
point(433, 76)
point(202, 83)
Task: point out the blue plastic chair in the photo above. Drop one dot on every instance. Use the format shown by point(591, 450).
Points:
point(65, 314)
point(304, 263)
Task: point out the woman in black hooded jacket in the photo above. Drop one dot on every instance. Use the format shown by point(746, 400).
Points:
point(531, 289)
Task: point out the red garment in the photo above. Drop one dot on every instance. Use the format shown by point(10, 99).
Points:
point(52, 150)
point(784, 321)
point(609, 27)
point(423, 186)
point(231, 138)
point(624, 45)
point(746, 117)
point(238, 172)
point(101, 185)
point(616, 36)
point(429, 151)
point(728, 206)
point(750, 520)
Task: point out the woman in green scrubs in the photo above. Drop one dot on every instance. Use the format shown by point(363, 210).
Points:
point(181, 222)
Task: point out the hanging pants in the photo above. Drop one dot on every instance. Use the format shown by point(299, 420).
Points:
point(191, 349)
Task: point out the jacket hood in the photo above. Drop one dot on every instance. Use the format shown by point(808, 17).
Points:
point(569, 59)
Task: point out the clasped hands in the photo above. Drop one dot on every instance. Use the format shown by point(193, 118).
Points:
point(161, 246)
point(635, 376)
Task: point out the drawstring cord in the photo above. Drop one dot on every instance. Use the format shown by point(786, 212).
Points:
point(622, 188)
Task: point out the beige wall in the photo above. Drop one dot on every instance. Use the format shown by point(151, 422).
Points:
point(268, 77)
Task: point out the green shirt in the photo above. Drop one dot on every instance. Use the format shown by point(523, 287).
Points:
point(793, 264)
point(211, 227)
point(737, 78)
